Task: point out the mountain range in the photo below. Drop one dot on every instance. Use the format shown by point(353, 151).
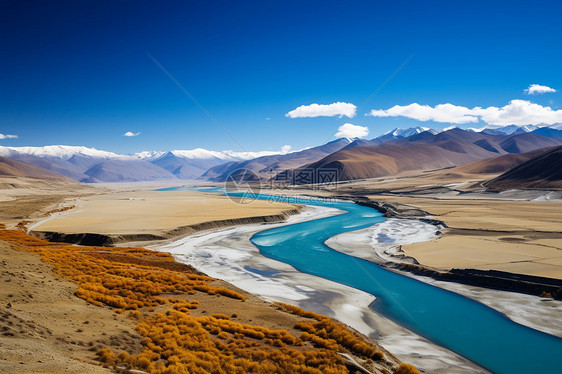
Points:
point(267, 167)
point(91, 165)
point(425, 151)
point(397, 151)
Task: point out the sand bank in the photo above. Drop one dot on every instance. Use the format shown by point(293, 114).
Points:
point(382, 242)
point(532, 311)
point(522, 237)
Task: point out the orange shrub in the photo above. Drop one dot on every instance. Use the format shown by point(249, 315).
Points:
point(177, 342)
point(406, 369)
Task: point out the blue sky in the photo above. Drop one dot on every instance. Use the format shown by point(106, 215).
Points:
point(79, 72)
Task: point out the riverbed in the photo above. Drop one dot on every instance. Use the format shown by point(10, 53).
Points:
point(460, 324)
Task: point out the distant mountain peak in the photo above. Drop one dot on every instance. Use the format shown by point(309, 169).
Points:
point(403, 133)
point(398, 133)
point(350, 140)
point(60, 151)
point(148, 155)
point(410, 130)
point(203, 154)
point(507, 130)
point(338, 140)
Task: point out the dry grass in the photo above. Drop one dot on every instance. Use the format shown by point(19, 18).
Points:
point(406, 369)
point(160, 294)
point(326, 333)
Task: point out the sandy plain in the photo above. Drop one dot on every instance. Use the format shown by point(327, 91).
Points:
point(154, 212)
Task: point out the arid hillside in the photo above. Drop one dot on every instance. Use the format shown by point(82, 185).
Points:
point(541, 172)
point(13, 168)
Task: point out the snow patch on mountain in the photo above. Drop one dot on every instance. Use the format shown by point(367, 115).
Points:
point(204, 154)
point(404, 133)
point(148, 155)
point(510, 129)
point(67, 151)
point(60, 151)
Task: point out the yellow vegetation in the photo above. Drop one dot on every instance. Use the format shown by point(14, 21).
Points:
point(137, 279)
point(406, 369)
point(327, 333)
point(123, 278)
point(22, 225)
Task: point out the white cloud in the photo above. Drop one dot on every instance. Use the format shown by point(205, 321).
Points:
point(447, 113)
point(517, 112)
point(2, 136)
point(322, 110)
point(348, 130)
point(268, 119)
point(537, 89)
point(286, 149)
point(128, 133)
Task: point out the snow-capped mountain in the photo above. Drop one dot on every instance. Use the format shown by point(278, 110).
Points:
point(403, 133)
point(87, 164)
point(59, 151)
point(93, 165)
point(264, 165)
point(200, 153)
point(148, 155)
point(190, 164)
point(398, 133)
point(507, 130)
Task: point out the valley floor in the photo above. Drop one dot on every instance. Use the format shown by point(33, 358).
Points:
point(135, 211)
point(484, 232)
point(47, 328)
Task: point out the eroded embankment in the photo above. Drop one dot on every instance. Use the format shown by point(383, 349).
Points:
point(494, 279)
point(96, 239)
point(187, 321)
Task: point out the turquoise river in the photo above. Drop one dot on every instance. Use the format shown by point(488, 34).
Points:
point(460, 324)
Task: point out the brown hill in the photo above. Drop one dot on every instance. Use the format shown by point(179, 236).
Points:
point(541, 172)
point(266, 166)
point(499, 164)
point(13, 168)
point(426, 151)
point(389, 159)
point(527, 142)
point(502, 144)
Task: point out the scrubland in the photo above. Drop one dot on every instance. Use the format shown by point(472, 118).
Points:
point(179, 330)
